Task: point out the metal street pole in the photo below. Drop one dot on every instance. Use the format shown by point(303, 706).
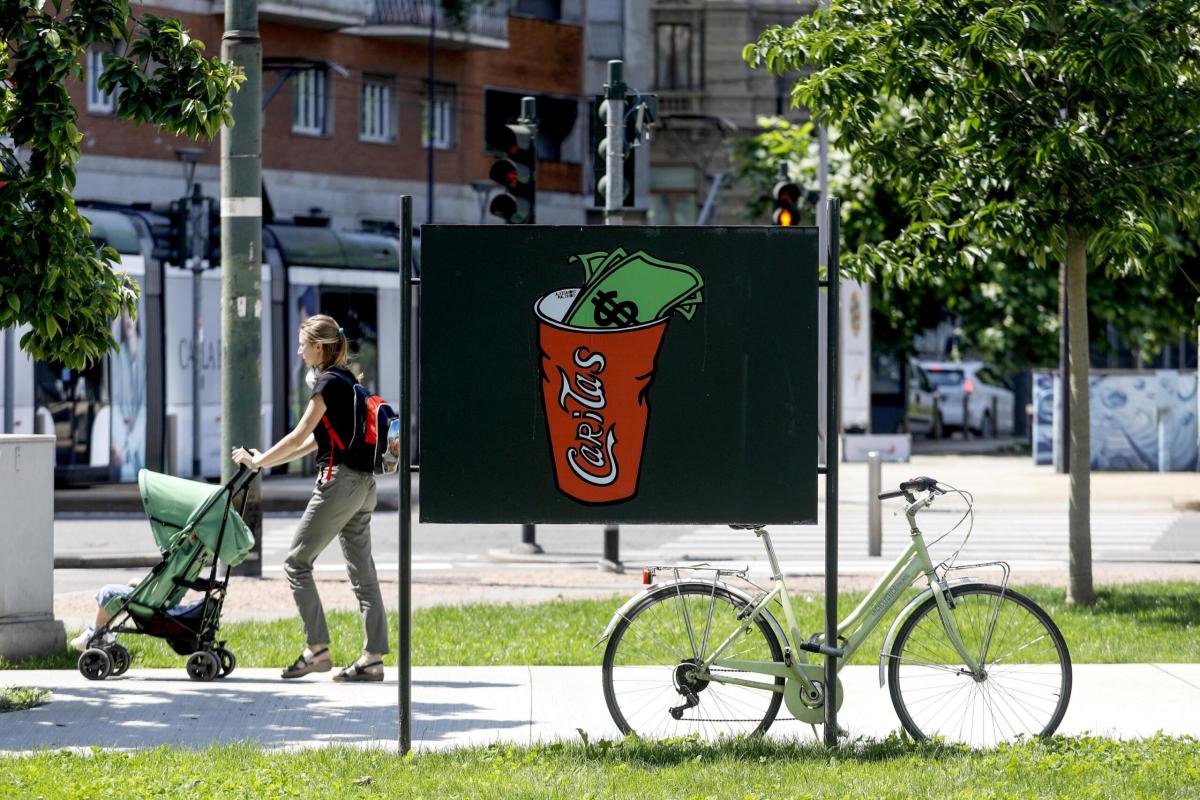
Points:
point(197, 319)
point(9, 372)
point(614, 202)
point(429, 115)
point(241, 259)
point(614, 132)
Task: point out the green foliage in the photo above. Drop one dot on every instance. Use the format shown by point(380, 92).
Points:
point(741, 769)
point(1004, 129)
point(19, 698)
point(52, 276)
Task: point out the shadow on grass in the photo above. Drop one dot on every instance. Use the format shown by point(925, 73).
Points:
point(674, 752)
point(1173, 604)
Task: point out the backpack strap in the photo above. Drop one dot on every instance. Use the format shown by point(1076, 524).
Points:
point(335, 444)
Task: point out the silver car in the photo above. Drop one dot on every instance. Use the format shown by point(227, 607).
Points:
point(988, 398)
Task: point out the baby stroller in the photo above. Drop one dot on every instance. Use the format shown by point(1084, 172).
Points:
point(193, 528)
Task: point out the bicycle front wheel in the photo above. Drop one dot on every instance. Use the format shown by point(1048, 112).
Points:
point(1026, 670)
point(649, 665)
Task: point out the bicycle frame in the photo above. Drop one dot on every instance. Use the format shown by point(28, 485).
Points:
point(853, 630)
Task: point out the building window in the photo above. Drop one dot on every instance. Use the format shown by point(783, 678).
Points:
point(310, 102)
point(437, 124)
point(98, 101)
point(673, 196)
point(673, 65)
point(377, 118)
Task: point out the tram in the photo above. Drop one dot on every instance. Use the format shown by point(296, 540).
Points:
point(135, 408)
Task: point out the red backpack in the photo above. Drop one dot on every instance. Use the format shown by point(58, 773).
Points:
point(373, 428)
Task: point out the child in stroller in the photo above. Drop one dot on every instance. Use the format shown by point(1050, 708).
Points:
point(192, 531)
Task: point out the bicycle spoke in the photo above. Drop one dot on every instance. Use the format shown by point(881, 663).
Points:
point(1025, 680)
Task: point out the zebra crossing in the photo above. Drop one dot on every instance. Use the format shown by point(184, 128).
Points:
point(996, 535)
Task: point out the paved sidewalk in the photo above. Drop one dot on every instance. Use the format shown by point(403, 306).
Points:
point(477, 706)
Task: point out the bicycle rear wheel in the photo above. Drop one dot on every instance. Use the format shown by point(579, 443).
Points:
point(1027, 670)
point(649, 659)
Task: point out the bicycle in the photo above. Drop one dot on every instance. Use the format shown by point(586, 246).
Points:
point(964, 661)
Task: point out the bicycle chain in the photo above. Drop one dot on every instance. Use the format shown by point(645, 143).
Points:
point(733, 719)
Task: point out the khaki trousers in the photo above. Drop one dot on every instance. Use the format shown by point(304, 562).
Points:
point(340, 507)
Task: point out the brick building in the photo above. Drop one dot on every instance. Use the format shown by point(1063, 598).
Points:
point(346, 90)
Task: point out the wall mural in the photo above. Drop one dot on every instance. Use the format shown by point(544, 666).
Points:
point(1139, 420)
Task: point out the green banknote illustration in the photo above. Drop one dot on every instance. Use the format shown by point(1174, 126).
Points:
point(623, 290)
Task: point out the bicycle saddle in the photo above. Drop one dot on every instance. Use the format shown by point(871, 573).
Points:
point(745, 527)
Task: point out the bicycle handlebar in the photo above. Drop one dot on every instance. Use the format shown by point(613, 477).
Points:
point(921, 484)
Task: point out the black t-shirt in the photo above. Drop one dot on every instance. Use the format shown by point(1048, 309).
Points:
point(338, 393)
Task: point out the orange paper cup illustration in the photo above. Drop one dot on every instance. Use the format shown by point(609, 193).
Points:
point(595, 387)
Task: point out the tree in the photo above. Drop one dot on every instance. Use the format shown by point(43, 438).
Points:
point(1005, 311)
point(52, 276)
point(1056, 128)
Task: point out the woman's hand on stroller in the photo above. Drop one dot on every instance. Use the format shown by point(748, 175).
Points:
point(246, 457)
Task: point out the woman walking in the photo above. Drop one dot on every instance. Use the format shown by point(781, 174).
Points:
point(341, 505)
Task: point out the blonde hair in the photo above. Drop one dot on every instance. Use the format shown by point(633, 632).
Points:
point(323, 330)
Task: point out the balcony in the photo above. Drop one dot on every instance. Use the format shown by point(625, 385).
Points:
point(675, 101)
point(320, 14)
point(409, 21)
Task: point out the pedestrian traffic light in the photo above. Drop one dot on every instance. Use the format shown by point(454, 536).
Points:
point(170, 234)
point(600, 155)
point(515, 172)
point(787, 201)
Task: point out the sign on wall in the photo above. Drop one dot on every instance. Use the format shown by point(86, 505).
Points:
point(611, 374)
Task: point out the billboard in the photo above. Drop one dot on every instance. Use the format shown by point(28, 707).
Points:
point(609, 374)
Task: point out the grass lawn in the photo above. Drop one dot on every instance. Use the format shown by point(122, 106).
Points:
point(741, 770)
point(1116, 630)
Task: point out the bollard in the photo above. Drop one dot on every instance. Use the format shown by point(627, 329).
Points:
point(966, 419)
point(874, 512)
point(528, 545)
point(611, 560)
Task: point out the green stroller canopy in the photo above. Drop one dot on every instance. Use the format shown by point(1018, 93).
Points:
point(173, 505)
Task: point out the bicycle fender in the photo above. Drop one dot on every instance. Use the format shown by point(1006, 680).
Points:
point(669, 588)
point(904, 614)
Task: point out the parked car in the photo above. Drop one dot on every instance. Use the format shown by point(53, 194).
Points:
point(921, 413)
point(989, 399)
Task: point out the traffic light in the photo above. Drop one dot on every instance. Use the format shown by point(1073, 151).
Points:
point(600, 154)
point(515, 173)
point(213, 244)
point(787, 204)
point(170, 234)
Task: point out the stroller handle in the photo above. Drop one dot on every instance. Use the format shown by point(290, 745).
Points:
point(241, 475)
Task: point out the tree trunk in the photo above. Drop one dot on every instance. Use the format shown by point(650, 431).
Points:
point(1080, 590)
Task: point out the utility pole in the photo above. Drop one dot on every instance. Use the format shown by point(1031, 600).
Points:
point(241, 259)
point(614, 202)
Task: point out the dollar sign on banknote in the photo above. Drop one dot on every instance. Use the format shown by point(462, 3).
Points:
point(623, 290)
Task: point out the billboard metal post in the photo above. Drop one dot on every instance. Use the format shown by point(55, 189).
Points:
point(832, 281)
point(404, 637)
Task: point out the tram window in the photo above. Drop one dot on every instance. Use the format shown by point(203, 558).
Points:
point(357, 311)
point(73, 398)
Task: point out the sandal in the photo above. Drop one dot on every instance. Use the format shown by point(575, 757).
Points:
point(360, 672)
point(306, 664)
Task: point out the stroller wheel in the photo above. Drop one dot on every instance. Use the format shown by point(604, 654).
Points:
point(95, 664)
point(228, 660)
point(203, 666)
point(120, 658)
